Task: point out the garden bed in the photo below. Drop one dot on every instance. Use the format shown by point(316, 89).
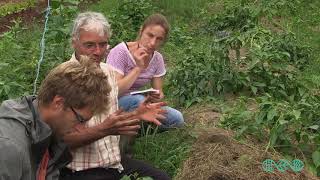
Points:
point(30, 15)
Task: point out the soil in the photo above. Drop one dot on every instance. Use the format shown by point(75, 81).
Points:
point(28, 16)
point(31, 15)
point(203, 116)
point(9, 1)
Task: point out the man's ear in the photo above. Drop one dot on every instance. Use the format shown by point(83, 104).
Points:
point(73, 43)
point(57, 103)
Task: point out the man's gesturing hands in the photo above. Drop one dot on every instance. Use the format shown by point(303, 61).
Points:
point(128, 123)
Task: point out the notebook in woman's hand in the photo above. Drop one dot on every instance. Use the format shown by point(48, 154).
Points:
point(145, 92)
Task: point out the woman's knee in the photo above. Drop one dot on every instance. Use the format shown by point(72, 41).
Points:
point(139, 98)
point(174, 118)
point(130, 102)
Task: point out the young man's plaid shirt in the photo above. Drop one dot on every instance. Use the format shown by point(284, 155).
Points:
point(104, 152)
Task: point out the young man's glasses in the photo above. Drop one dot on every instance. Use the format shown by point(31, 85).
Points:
point(80, 118)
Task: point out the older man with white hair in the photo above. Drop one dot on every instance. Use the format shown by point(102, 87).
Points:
point(95, 146)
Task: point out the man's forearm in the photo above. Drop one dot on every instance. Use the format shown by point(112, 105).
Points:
point(84, 136)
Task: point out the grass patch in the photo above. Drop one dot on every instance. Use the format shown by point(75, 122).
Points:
point(104, 6)
point(306, 26)
point(10, 8)
point(165, 150)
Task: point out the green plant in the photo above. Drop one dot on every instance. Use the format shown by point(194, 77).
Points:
point(278, 7)
point(59, 29)
point(270, 65)
point(135, 176)
point(198, 76)
point(128, 13)
point(11, 8)
point(179, 10)
point(17, 62)
point(289, 127)
point(20, 50)
point(165, 150)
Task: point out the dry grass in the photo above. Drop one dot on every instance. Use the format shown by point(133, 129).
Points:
point(217, 156)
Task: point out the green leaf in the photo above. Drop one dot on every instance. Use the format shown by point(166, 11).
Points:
point(273, 136)
point(254, 90)
point(6, 89)
point(242, 130)
point(253, 64)
point(271, 114)
point(2, 64)
point(219, 87)
point(316, 158)
point(145, 178)
point(282, 86)
point(314, 127)
point(301, 91)
point(125, 178)
point(260, 117)
point(259, 84)
point(296, 113)
point(283, 121)
point(286, 54)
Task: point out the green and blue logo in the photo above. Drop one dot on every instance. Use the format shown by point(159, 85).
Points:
point(283, 165)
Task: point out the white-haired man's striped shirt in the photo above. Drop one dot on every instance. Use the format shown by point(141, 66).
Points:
point(104, 152)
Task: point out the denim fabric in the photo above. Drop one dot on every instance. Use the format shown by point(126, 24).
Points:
point(173, 118)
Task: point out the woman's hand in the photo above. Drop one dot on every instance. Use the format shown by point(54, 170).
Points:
point(141, 56)
point(156, 97)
